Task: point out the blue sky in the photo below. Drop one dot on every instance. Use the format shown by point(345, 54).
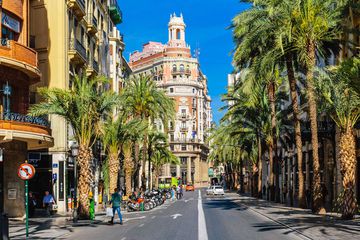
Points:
point(206, 20)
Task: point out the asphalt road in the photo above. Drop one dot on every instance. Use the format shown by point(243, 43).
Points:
point(192, 218)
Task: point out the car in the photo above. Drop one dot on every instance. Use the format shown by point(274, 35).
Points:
point(189, 187)
point(215, 190)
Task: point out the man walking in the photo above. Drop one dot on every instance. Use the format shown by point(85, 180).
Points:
point(116, 202)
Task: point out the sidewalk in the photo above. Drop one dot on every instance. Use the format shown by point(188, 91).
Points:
point(309, 225)
point(54, 227)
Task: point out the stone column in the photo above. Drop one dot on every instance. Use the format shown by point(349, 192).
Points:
point(188, 170)
point(178, 171)
point(15, 153)
point(197, 170)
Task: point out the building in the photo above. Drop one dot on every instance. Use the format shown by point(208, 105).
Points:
point(72, 37)
point(19, 70)
point(176, 71)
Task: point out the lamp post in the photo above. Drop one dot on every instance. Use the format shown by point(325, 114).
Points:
point(75, 152)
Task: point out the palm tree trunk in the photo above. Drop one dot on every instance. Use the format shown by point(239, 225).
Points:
point(348, 168)
point(298, 140)
point(136, 180)
point(272, 145)
point(113, 171)
point(129, 165)
point(144, 154)
point(318, 206)
point(85, 176)
point(259, 187)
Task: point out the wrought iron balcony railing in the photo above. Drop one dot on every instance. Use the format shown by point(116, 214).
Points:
point(17, 117)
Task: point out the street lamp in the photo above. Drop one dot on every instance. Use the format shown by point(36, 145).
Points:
point(75, 152)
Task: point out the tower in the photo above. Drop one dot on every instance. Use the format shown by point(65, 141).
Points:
point(176, 31)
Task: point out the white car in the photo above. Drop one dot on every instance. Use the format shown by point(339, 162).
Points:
point(215, 190)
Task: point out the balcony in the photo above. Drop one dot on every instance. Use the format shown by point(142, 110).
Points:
point(92, 24)
point(115, 12)
point(77, 52)
point(35, 131)
point(78, 6)
point(183, 129)
point(20, 57)
point(180, 71)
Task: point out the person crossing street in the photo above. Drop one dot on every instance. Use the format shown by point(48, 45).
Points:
point(116, 202)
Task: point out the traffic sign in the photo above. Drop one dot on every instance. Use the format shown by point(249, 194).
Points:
point(26, 171)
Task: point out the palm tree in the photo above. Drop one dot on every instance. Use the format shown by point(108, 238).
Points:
point(310, 28)
point(343, 104)
point(162, 155)
point(143, 100)
point(263, 28)
point(82, 106)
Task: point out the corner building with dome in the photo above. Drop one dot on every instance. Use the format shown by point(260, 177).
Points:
point(175, 70)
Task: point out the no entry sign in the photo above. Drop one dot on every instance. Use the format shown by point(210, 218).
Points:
point(26, 171)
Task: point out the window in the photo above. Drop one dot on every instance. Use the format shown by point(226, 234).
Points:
point(171, 137)
point(171, 90)
point(178, 35)
point(183, 147)
point(183, 124)
point(193, 89)
point(174, 68)
point(183, 136)
point(174, 77)
point(181, 68)
point(183, 160)
point(171, 147)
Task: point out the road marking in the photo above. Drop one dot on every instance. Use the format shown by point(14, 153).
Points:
point(175, 216)
point(141, 225)
point(135, 218)
point(202, 232)
point(123, 238)
point(153, 217)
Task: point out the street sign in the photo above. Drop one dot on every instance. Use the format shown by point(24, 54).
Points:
point(26, 171)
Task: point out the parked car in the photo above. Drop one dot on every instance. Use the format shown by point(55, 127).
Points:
point(189, 187)
point(215, 190)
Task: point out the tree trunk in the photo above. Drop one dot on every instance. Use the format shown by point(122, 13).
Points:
point(84, 176)
point(297, 128)
point(129, 165)
point(144, 154)
point(348, 168)
point(318, 206)
point(137, 165)
point(272, 144)
point(113, 171)
point(259, 187)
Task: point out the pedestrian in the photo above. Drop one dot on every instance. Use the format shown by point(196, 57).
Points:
point(48, 202)
point(173, 193)
point(116, 203)
point(178, 194)
point(32, 204)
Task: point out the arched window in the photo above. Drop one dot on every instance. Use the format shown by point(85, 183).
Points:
point(174, 68)
point(178, 34)
point(181, 68)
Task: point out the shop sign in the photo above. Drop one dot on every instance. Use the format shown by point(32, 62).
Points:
point(10, 22)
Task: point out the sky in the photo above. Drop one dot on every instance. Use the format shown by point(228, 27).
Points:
point(206, 28)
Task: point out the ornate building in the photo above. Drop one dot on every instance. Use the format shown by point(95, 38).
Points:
point(175, 70)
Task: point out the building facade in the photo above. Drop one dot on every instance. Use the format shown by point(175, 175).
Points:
point(19, 133)
point(72, 37)
point(175, 70)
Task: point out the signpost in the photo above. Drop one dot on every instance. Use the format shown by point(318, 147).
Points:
point(25, 172)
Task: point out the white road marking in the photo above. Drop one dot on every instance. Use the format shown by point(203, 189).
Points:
point(175, 216)
point(123, 238)
point(135, 218)
point(153, 217)
point(202, 232)
point(141, 225)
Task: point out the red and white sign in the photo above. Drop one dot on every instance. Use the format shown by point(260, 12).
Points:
point(26, 171)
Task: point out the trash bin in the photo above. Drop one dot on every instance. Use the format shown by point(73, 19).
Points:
point(4, 227)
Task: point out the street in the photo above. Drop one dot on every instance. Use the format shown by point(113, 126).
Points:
point(190, 218)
